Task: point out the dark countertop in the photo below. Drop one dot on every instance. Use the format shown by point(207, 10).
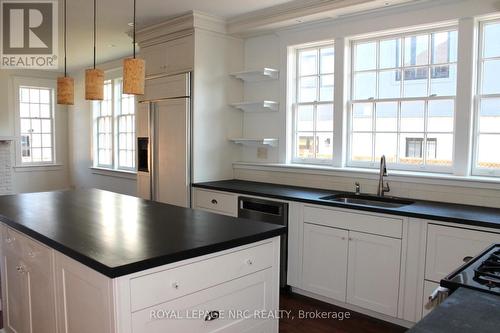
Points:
point(118, 234)
point(465, 311)
point(440, 211)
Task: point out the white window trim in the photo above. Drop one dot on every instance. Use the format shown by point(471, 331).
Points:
point(478, 171)
point(111, 170)
point(466, 101)
point(295, 104)
point(17, 82)
point(350, 101)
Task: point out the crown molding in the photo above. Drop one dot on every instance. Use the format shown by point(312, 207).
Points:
point(178, 27)
point(300, 11)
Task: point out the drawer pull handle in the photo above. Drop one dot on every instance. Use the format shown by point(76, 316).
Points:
point(249, 262)
point(212, 315)
point(214, 202)
point(467, 259)
point(175, 285)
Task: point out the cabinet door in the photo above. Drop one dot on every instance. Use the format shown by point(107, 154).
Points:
point(172, 155)
point(40, 278)
point(324, 263)
point(16, 305)
point(448, 248)
point(84, 298)
point(373, 272)
point(170, 57)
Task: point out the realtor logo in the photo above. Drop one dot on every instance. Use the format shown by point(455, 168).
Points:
point(29, 34)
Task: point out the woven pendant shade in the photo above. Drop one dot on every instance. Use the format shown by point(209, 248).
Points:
point(94, 84)
point(65, 90)
point(65, 84)
point(134, 75)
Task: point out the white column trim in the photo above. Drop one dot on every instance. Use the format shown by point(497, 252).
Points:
point(466, 85)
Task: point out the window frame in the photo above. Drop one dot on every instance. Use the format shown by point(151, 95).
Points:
point(296, 104)
point(37, 83)
point(478, 96)
point(430, 97)
point(116, 104)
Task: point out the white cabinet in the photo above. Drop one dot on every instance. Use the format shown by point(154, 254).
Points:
point(246, 295)
point(243, 279)
point(344, 264)
point(170, 57)
point(16, 301)
point(27, 284)
point(449, 247)
point(81, 290)
point(373, 274)
point(325, 261)
point(216, 202)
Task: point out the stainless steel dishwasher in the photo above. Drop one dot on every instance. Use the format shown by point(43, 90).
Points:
point(271, 212)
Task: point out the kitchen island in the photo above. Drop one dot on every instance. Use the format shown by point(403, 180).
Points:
point(97, 261)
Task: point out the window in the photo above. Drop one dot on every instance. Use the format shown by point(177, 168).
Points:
point(114, 129)
point(487, 138)
point(36, 117)
point(403, 100)
point(313, 115)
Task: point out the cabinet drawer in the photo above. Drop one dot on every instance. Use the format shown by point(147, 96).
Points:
point(219, 202)
point(166, 285)
point(378, 225)
point(449, 247)
point(247, 295)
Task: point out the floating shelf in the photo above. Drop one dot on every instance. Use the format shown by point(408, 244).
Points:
point(262, 106)
point(256, 142)
point(7, 138)
point(257, 75)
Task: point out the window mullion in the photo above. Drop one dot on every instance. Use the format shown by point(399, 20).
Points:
point(467, 44)
point(341, 82)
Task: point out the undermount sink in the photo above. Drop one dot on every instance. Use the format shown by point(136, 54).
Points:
point(368, 200)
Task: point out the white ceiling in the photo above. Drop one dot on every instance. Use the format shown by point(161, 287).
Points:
point(113, 17)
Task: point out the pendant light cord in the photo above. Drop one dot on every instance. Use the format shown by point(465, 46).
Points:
point(133, 39)
point(65, 41)
point(95, 14)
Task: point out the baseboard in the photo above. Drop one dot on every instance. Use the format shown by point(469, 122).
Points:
point(355, 308)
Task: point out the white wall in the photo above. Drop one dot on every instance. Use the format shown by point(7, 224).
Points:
point(214, 121)
point(271, 51)
point(80, 143)
point(35, 179)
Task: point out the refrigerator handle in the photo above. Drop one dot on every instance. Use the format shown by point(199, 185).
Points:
point(152, 146)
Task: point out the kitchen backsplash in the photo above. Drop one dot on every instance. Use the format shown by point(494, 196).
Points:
point(489, 197)
point(6, 177)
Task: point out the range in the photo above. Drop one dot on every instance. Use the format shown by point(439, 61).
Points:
point(481, 273)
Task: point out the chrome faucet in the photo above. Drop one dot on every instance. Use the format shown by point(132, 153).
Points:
point(383, 173)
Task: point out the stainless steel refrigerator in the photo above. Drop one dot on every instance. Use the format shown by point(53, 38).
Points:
point(164, 140)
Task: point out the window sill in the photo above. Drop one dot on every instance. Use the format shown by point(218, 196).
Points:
point(361, 173)
point(38, 167)
point(114, 173)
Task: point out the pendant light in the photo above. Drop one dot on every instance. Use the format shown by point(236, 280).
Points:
point(134, 70)
point(65, 84)
point(94, 78)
